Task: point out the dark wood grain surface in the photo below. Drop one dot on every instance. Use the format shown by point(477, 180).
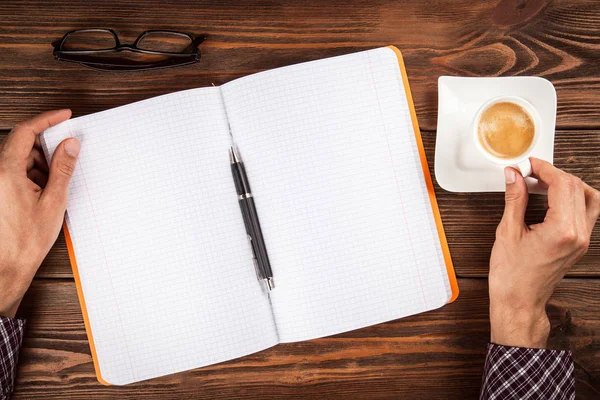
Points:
point(434, 355)
point(554, 39)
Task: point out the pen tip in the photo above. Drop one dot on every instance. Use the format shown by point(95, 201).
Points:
point(270, 284)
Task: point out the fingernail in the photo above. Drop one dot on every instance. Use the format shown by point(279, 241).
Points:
point(72, 147)
point(509, 175)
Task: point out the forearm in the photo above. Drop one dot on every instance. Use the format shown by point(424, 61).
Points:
point(11, 337)
point(33, 200)
point(519, 327)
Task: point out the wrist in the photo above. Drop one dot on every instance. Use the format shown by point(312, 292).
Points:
point(519, 327)
point(9, 310)
point(10, 300)
point(12, 288)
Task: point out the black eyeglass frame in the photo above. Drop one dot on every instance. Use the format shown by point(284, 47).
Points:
point(189, 55)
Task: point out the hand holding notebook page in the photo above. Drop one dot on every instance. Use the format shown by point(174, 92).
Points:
point(164, 267)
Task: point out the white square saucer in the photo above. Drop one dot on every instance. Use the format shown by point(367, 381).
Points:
point(459, 166)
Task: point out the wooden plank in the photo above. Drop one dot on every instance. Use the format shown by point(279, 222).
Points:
point(438, 354)
point(469, 219)
point(556, 40)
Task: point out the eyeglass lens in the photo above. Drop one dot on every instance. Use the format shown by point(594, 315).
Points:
point(164, 42)
point(89, 40)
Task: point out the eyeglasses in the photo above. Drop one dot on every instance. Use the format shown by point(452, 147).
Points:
point(101, 49)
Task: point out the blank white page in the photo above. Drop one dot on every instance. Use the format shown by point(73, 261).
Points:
point(165, 266)
point(332, 158)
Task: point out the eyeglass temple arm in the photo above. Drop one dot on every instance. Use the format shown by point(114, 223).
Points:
point(196, 42)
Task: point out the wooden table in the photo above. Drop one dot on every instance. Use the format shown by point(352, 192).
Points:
point(438, 354)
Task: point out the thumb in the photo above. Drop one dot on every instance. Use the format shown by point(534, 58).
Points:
point(516, 197)
point(62, 167)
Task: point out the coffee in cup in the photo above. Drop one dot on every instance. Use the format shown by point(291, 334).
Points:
point(506, 130)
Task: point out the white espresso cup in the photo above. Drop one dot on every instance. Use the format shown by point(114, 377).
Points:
point(522, 161)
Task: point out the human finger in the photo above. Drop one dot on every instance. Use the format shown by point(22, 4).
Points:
point(544, 171)
point(515, 200)
point(580, 209)
point(592, 205)
point(560, 190)
point(62, 167)
point(21, 139)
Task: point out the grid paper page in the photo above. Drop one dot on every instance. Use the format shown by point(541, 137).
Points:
point(165, 266)
point(332, 158)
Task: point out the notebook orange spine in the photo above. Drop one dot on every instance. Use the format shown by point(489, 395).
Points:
point(428, 181)
point(86, 320)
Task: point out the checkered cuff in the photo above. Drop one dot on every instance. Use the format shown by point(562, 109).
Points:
point(11, 336)
point(522, 373)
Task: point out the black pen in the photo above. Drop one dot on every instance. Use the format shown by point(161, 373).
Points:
point(251, 221)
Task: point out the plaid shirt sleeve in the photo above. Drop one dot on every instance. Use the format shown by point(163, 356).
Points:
point(522, 373)
point(11, 336)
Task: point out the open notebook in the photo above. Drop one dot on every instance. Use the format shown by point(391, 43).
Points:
point(159, 250)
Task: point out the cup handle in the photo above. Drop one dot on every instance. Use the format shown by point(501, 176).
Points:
point(525, 168)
